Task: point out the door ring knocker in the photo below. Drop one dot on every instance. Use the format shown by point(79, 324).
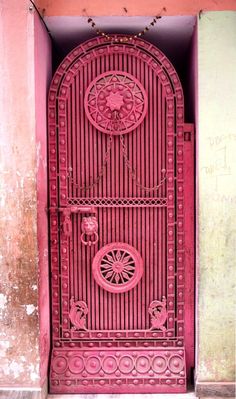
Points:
point(89, 227)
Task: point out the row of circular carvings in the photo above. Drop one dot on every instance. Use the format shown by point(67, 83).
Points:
point(118, 364)
point(135, 381)
point(115, 344)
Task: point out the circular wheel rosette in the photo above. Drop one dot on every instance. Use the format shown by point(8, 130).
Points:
point(115, 102)
point(117, 267)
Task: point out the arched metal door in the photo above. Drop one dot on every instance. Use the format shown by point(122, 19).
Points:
point(117, 222)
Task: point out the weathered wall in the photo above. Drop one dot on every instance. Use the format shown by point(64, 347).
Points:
point(19, 262)
point(217, 196)
point(42, 64)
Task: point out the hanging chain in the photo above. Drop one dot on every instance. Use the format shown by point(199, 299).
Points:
point(128, 164)
point(124, 38)
point(100, 173)
point(132, 171)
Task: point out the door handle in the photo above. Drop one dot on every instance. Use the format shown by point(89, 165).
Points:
point(89, 227)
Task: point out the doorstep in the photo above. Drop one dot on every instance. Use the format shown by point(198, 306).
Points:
point(189, 395)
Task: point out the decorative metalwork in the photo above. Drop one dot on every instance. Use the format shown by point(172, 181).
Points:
point(115, 102)
point(132, 171)
point(122, 369)
point(98, 178)
point(158, 313)
point(119, 202)
point(117, 267)
point(115, 335)
point(89, 227)
point(78, 313)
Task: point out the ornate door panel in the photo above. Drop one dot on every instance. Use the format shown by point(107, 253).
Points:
point(118, 222)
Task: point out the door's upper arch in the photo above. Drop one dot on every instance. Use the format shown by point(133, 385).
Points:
point(96, 47)
point(148, 66)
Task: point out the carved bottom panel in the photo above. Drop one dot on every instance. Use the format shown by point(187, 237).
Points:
point(118, 371)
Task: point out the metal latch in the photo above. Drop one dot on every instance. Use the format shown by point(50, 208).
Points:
point(89, 224)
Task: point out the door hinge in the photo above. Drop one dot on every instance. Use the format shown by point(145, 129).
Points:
point(187, 136)
point(188, 131)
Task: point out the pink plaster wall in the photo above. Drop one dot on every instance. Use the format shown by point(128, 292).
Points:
point(19, 332)
point(25, 69)
point(42, 61)
point(131, 7)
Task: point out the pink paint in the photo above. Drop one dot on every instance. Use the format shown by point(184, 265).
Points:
point(132, 339)
point(189, 215)
point(134, 7)
point(18, 240)
point(117, 267)
point(42, 60)
point(120, 100)
point(191, 89)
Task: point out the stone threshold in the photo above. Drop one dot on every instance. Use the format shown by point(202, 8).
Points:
point(37, 394)
point(189, 395)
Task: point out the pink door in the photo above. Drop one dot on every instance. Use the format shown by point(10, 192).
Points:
point(121, 222)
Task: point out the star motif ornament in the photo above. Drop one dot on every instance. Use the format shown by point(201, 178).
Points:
point(115, 101)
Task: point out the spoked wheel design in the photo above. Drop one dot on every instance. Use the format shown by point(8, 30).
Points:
point(117, 267)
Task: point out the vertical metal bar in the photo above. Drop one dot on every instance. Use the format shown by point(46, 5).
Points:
point(90, 166)
point(163, 221)
point(160, 233)
point(134, 194)
point(139, 210)
point(147, 184)
point(95, 287)
point(154, 214)
point(103, 226)
point(131, 226)
point(152, 152)
point(143, 225)
point(86, 166)
point(120, 194)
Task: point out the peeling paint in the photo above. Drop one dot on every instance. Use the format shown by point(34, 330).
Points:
point(34, 376)
point(30, 309)
point(16, 368)
point(3, 301)
point(4, 345)
point(19, 335)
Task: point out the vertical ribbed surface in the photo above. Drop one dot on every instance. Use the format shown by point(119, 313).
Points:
point(142, 227)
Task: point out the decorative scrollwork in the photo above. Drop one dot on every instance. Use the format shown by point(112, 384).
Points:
point(78, 313)
point(158, 313)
